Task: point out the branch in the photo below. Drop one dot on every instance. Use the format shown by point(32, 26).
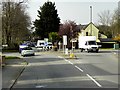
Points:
point(20, 2)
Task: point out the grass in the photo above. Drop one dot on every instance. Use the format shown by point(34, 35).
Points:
point(107, 48)
point(11, 57)
point(9, 50)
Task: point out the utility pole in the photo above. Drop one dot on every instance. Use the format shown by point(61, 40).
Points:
point(91, 19)
point(71, 29)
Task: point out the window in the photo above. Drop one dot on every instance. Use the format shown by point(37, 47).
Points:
point(86, 33)
point(92, 42)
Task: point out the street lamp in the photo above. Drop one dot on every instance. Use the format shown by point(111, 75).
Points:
point(91, 19)
point(72, 36)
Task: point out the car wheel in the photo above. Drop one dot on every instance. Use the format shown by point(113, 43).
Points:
point(81, 50)
point(33, 54)
point(88, 51)
point(96, 51)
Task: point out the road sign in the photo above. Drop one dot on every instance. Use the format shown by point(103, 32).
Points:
point(64, 40)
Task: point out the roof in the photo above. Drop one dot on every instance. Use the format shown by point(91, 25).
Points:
point(107, 40)
point(83, 27)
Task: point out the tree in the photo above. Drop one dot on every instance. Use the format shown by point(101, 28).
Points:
point(105, 30)
point(115, 25)
point(15, 23)
point(54, 37)
point(105, 22)
point(0, 27)
point(105, 18)
point(48, 20)
point(70, 29)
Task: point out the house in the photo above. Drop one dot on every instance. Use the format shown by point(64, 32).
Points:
point(92, 30)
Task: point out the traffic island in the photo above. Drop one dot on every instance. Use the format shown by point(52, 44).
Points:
point(68, 55)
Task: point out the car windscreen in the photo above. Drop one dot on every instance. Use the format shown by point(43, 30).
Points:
point(91, 42)
point(50, 44)
point(28, 48)
point(41, 43)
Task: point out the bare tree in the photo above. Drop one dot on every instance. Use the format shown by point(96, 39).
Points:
point(115, 25)
point(105, 19)
point(15, 22)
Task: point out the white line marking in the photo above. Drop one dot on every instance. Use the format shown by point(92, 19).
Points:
point(79, 68)
point(41, 86)
point(65, 59)
point(60, 57)
point(94, 80)
point(70, 62)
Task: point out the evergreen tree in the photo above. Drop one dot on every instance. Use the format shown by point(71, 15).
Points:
point(48, 20)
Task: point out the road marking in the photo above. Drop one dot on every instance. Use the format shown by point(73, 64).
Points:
point(60, 57)
point(70, 62)
point(79, 68)
point(82, 71)
point(65, 60)
point(94, 80)
point(41, 86)
point(44, 82)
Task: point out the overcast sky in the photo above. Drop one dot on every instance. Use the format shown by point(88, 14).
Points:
point(75, 10)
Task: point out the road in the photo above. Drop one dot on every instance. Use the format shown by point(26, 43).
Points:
point(51, 70)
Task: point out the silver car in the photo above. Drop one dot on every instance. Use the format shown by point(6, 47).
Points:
point(27, 51)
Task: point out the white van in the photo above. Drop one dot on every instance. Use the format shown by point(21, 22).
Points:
point(88, 43)
point(40, 44)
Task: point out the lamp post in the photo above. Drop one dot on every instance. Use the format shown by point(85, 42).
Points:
point(72, 36)
point(91, 19)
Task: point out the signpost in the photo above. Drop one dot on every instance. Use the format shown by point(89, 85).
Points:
point(64, 42)
point(59, 45)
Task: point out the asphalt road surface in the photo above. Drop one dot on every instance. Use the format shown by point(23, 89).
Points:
point(89, 70)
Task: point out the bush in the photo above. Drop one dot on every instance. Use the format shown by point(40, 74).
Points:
point(117, 38)
point(12, 48)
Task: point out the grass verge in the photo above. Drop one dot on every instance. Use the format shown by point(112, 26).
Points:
point(11, 57)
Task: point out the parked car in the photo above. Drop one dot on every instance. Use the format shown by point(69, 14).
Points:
point(27, 51)
point(21, 47)
point(50, 45)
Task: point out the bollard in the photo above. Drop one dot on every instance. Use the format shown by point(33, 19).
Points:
point(66, 51)
point(72, 55)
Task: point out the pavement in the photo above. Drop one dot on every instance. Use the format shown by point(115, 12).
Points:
point(11, 71)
